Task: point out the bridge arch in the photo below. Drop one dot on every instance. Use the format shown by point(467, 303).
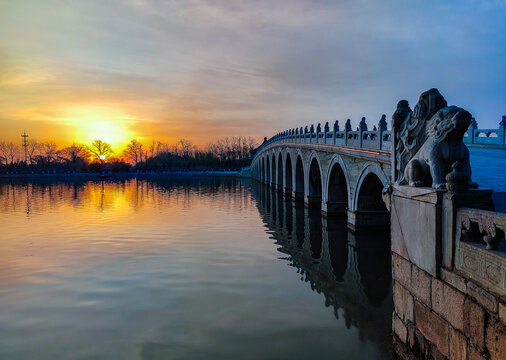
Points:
point(280, 174)
point(299, 178)
point(314, 181)
point(338, 194)
point(368, 205)
point(261, 169)
point(267, 169)
point(288, 173)
point(273, 170)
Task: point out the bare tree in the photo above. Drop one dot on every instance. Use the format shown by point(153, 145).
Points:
point(236, 148)
point(73, 153)
point(99, 150)
point(32, 147)
point(155, 148)
point(134, 151)
point(4, 152)
point(48, 150)
point(184, 148)
point(9, 152)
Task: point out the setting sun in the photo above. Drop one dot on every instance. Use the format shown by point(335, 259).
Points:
point(99, 122)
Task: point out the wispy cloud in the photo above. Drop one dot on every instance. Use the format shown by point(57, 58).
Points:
point(197, 69)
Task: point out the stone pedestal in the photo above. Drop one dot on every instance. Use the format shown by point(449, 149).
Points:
point(416, 226)
point(336, 208)
point(313, 201)
point(368, 219)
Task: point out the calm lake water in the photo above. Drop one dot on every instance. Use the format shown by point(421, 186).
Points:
point(185, 269)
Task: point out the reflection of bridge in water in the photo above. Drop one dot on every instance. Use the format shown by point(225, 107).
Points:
point(351, 270)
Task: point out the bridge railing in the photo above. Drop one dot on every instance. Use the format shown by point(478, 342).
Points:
point(377, 139)
point(480, 247)
point(486, 137)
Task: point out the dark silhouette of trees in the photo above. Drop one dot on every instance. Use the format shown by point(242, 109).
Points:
point(75, 156)
point(8, 152)
point(225, 154)
point(99, 149)
point(134, 151)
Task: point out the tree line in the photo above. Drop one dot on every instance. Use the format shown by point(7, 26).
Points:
point(226, 153)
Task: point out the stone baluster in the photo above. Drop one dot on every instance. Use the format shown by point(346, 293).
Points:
point(382, 125)
point(347, 128)
point(326, 130)
point(363, 125)
point(502, 130)
point(471, 131)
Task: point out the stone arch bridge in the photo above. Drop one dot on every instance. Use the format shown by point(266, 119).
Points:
point(341, 172)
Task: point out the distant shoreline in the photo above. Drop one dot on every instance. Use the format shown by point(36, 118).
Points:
point(124, 175)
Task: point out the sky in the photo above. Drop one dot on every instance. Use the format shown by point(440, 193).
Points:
point(75, 71)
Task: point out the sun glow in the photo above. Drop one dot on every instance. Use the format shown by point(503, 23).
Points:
point(105, 122)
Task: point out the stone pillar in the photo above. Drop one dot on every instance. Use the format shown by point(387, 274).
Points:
point(502, 130)
point(313, 201)
point(416, 226)
point(298, 195)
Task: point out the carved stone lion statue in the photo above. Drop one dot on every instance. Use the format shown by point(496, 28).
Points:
point(429, 141)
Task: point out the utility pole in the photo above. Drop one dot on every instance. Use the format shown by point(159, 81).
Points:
point(25, 144)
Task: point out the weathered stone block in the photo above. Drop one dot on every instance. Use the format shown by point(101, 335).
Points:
point(436, 354)
point(496, 339)
point(474, 354)
point(418, 241)
point(400, 329)
point(502, 313)
point(474, 323)
point(458, 345)
point(487, 300)
point(448, 303)
point(421, 285)
point(401, 270)
point(432, 327)
point(411, 335)
point(454, 280)
point(403, 302)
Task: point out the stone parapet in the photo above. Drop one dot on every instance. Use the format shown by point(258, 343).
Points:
point(459, 310)
point(480, 248)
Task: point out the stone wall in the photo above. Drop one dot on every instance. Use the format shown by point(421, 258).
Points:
point(440, 312)
point(449, 317)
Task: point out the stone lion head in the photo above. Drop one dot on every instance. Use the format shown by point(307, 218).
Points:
point(448, 123)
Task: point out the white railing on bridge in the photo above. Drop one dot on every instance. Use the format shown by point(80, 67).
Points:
point(486, 137)
point(377, 139)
